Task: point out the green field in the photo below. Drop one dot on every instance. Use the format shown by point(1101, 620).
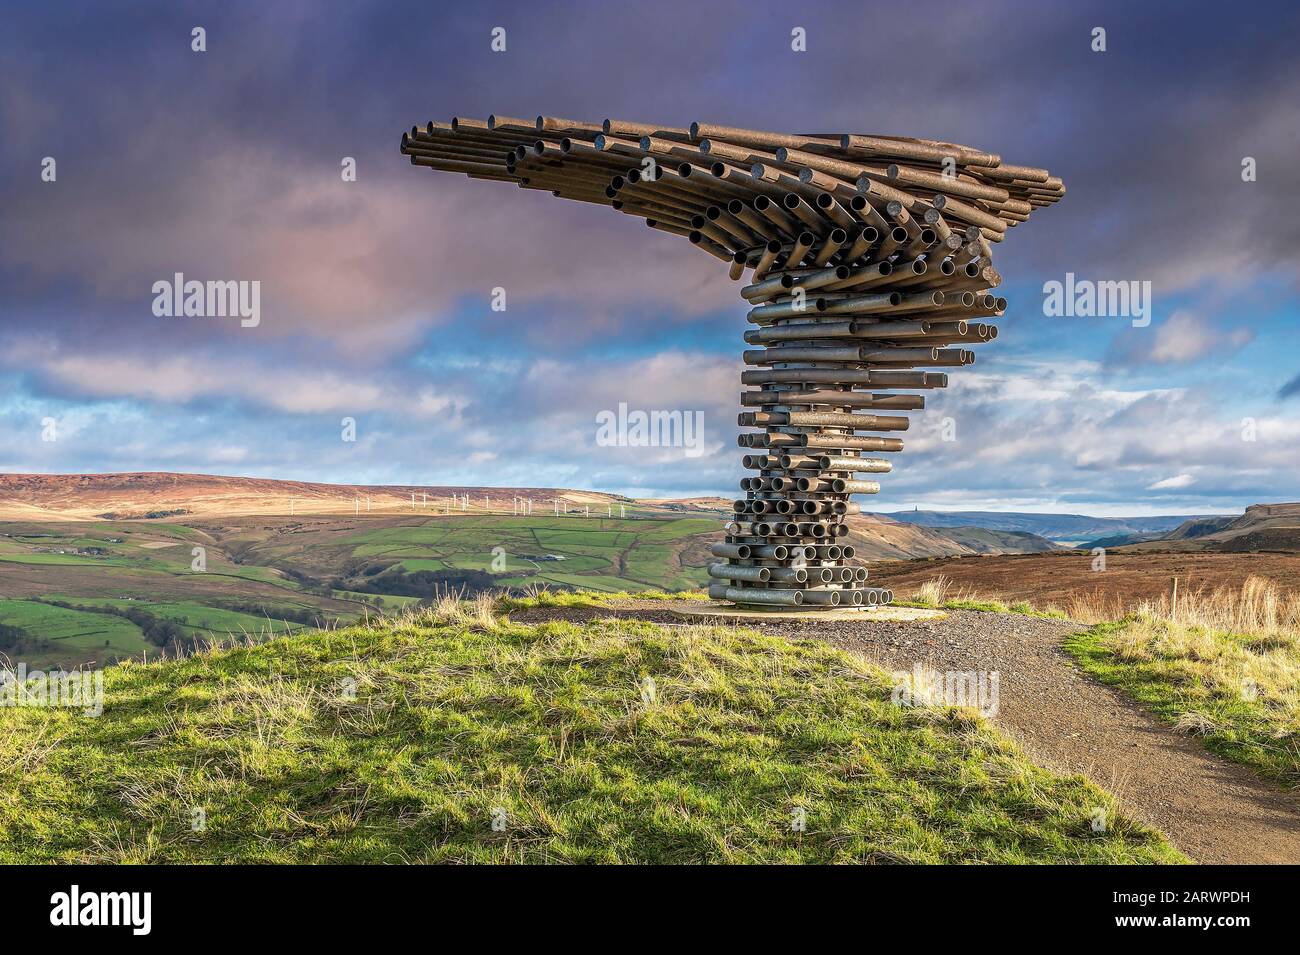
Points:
point(268, 575)
point(73, 635)
point(642, 553)
point(468, 738)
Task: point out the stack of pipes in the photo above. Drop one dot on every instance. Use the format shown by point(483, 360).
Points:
point(870, 265)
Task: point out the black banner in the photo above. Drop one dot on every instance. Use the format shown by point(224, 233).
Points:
point(338, 904)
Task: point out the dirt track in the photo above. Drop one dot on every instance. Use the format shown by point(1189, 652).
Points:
point(1214, 810)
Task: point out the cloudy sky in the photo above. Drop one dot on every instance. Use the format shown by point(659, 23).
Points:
point(375, 294)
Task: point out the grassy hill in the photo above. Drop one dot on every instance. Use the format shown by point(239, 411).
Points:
point(609, 742)
point(1055, 527)
point(121, 584)
point(83, 593)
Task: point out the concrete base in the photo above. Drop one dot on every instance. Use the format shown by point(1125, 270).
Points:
point(863, 614)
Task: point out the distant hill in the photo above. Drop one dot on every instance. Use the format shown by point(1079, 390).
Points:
point(877, 537)
point(1062, 528)
point(168, 496)
point(1263, 527)
point(162, 495)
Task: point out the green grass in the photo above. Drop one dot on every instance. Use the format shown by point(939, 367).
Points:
point(246, 559)
point(607, 584)
point(1201, 680)
point(64, 560)
point(98, 633)
point(589, 598)
point(593, 548)
point(462, 717)
point(411, 566)
point(197, 617)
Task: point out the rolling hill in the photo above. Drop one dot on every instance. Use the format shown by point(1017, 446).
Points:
point(467, 737)
point(877, 537)
point(1263, 527)
point(162, 494)
point(1070, 529)
point(97, 568)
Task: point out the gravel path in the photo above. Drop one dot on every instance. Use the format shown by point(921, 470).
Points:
point(1214, 810)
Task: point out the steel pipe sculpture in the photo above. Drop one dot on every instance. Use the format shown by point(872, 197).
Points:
point(870, 259)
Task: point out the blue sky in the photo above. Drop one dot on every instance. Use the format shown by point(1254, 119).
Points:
point(375, 294)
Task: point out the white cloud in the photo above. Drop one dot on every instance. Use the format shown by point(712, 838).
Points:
point(184, 378)
point(1177, 481)
point(1186, 337)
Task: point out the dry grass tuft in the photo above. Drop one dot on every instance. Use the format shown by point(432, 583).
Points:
point(1197, 724)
